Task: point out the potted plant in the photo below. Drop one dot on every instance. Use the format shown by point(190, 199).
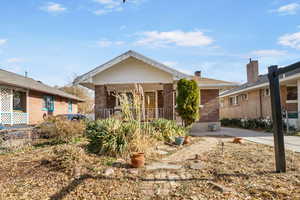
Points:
point(187, 139)
point(179, 140)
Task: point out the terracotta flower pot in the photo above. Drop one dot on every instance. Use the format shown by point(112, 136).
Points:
point(237, 140)
point(187, 140)
point(137, 160)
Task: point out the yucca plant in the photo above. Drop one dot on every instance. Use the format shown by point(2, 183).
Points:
point(166, 130)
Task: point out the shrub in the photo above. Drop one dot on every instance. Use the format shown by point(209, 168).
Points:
point(66, 157)
point(60, 129)
point(263, 124)
point(188, 101)
point(115, 138)
point(105, 137)
point(166, 130)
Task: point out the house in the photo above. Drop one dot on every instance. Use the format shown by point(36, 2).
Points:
point(121, 74)
point(27, 101)
point(252, 99)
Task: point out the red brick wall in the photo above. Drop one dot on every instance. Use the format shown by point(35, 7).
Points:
point(35, 104)
point(210, 102)
point(100, 101)
point(168, 100)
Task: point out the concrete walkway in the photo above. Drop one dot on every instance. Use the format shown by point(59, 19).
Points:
point(291, 142)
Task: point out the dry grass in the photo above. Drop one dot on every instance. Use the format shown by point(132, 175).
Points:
point(247, 169)
point(60, 129)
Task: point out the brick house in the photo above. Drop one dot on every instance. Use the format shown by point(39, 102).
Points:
point(26, 101)
point(252, 99)
point(123, 73)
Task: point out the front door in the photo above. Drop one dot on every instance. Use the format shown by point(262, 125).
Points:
point(150, 105)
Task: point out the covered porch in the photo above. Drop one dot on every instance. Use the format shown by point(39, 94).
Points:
point(13, 106)
point(158, 100)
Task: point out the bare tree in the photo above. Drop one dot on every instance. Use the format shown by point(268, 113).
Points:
point(85, 107)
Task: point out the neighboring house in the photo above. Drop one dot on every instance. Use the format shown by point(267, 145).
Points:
point(123, 73)
point(26, 101)
point(252, 99)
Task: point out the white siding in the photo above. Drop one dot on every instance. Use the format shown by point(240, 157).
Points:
point(132, 71)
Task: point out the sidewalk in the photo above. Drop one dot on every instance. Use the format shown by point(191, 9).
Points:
point(291, 142)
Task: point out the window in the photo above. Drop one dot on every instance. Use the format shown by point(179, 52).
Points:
point(19, 101)
point(244, 97)
point(292, 93)
point(48, 103)
point(70, 106)
point(233, 100)
point(267, 92)
point(222, 102)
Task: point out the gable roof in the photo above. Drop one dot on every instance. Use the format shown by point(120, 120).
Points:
point(16, 80)
point(262, 81)
point(176, 74)
point(207, 82)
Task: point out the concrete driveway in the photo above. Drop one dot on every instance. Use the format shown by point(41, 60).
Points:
point(291, 142)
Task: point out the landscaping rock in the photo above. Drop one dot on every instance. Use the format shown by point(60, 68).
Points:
point(161, 152)
point(109, 172)
point(196, 165)
point(220, 188)
point(162, 165)
point(133, 171)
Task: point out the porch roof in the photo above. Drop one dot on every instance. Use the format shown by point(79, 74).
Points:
point(15, 80)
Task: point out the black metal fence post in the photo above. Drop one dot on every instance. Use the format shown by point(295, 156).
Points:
point(277, 119)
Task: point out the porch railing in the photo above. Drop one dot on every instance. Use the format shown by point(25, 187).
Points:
point(13, 118)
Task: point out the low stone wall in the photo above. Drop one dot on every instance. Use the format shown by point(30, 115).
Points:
point(12, 139)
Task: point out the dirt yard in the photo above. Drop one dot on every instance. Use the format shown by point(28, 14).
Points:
point(220, 170)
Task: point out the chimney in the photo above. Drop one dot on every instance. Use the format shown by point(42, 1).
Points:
point(198, 74)
point(252, 71)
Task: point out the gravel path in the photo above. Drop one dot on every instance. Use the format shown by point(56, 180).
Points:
point(165, 176)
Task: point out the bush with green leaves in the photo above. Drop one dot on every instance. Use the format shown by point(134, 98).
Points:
point(105, 136)
point(120, 138)
point(188, 101)
point(263, 124)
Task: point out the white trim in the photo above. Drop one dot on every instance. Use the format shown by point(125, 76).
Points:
point(235, 100)
point(135, 82)
point(265, 92)
point(218, 85)
point(291, 101)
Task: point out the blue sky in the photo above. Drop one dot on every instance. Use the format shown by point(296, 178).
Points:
point(54, 40)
